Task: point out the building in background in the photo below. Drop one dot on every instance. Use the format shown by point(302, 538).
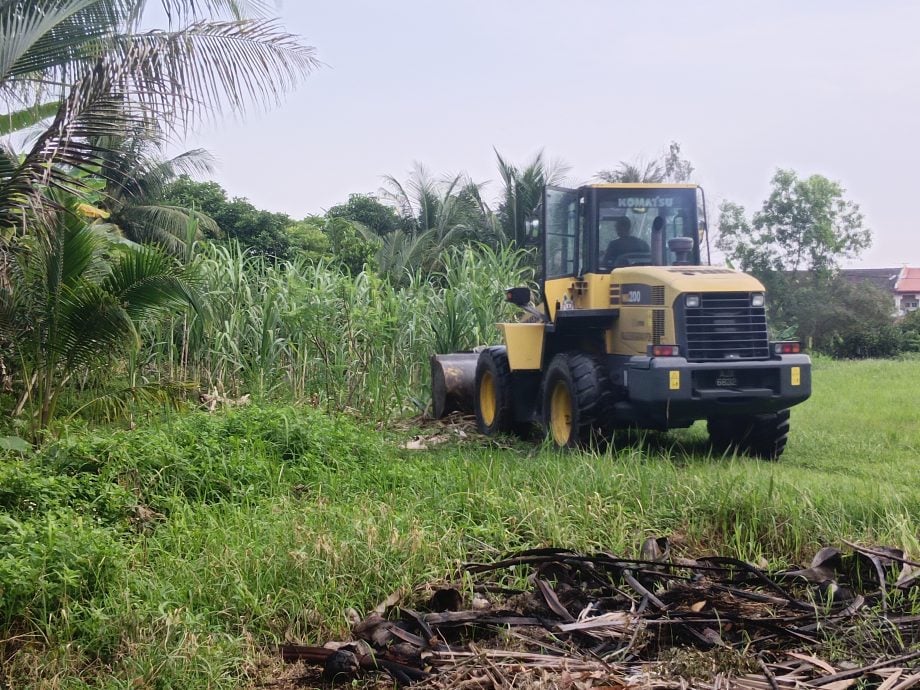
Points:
point(907, 290)
point(903, 284)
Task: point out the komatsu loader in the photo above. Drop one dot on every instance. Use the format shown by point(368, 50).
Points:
point(630, 330)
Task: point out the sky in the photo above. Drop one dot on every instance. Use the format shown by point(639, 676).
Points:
point(818, 86)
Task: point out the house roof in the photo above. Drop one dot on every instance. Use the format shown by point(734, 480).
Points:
point(883, 278)
point(910, 281)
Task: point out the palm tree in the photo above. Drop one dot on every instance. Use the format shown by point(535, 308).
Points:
point(522, 192)
point(135, 179)
point(76, 298)
point(638, 171)
point(446, 205)
point(87, 71)
point(86, 77)
point(438, 214)
point(668, 167)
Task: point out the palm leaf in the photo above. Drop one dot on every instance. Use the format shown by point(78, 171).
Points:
point(28, 117)
point(145, 281)
point(92, 325)
point(127, 82)
point(209, 65)
point(44, 43)
point(166, 226)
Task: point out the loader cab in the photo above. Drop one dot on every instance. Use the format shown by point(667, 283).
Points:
point(599, 228)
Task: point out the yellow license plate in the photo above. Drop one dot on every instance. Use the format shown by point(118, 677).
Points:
point(675, 380)
point(796, 376)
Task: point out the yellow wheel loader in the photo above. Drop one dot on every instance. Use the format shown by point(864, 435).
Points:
point(631, 331)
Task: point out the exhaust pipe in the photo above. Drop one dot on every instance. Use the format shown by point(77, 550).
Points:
point(453, 383)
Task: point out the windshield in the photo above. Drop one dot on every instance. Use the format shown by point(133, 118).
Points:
point(646, 226)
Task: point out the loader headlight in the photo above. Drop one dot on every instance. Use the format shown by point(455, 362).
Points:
point(757, 299)
point(692, 301)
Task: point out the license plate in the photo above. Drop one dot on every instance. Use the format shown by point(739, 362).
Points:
point(726, 379)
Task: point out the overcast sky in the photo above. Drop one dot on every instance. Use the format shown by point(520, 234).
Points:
point(829, 87)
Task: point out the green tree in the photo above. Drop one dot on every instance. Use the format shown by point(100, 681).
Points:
point(838, 317)
point(350, 249)
point(264, 232)
point(794, 245)
point(308, 239)
point(367, 210)
point(676, 169)
point(207, 197)
point(337, 241)
point(804, 225)
point(910, 331)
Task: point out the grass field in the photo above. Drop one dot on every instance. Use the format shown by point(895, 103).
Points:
point(176, 554)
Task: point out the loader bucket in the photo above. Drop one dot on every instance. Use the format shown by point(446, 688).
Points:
point(453, 382)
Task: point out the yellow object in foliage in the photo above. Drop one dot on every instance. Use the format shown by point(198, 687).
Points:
point(90, 211)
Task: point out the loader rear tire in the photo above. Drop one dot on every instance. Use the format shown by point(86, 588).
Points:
point(763, 435)
point(575, 393)
point(494, 402)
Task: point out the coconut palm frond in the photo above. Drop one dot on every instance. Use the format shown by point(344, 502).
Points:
point(164, 225)
point(523, 190)
point(111, 81)
point(182, 10)
point(47, 43)
point(146, 280)
point(20, 120)
point(117, 403)
point(639, 171)
point(198, 69)
point(91, 323)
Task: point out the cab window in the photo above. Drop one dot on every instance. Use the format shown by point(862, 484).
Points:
point(561, 213)
point(626, 219)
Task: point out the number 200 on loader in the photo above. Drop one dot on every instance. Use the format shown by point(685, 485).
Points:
point(631, 332)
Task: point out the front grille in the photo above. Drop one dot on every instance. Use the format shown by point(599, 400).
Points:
point(726, 326)
point(657, 326)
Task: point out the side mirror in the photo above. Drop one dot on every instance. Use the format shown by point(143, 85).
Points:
point(519, 296)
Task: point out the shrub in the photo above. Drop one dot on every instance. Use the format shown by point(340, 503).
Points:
point(51, 559)
point(881, 341)
point(213, 457)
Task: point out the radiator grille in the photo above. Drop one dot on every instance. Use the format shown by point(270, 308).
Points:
point(726, 326)
point(657, 295)
point(657, 326)
point(614, 295)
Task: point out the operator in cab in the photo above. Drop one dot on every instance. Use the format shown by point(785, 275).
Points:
point(625, 243)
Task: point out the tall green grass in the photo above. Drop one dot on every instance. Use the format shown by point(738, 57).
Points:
point(302, 331)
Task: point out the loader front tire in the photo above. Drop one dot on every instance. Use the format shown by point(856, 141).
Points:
point(574, 395)
point(763, 435)
point(493, 402)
